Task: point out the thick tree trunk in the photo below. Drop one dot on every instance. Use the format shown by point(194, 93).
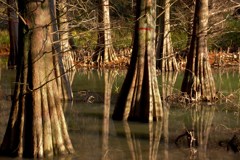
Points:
point(198, 82)
point(104, 52)
point(166, 60)
point(13, 33)
point(139, 98)
point(36, 126)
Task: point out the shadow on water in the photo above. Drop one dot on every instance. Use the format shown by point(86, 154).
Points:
point(96, 136)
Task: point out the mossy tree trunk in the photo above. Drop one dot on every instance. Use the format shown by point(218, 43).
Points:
point(166, 60)
point(139, 98)
point(104, 51)
point(36, 126)
point(198, 83)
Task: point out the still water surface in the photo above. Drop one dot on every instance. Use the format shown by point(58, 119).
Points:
point(95, 136)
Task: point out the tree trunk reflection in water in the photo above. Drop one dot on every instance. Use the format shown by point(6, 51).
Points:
point(202, 117)
point(109, 77)
point(227, 83)
point(198, 132)
point(155, 131)
point(168, 81)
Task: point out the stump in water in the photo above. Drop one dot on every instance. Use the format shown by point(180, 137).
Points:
point(189, 137)
point(234, 143)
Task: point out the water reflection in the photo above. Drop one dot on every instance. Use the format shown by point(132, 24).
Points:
point(109, 77)
point(96, 136)
point(155, 130)
point(227, 83)
point(134, 141)
point(197, 133)
point(202, 118)
point(168, 82)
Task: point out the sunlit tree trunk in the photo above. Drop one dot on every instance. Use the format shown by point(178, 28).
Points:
point(198, 82)
point(36, 126)
point(166, 60)
point(66, 51)
point(65, 69)
point(104, 51)
point(139, 98)
point(13, 33)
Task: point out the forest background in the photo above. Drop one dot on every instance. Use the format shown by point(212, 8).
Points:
point(223, 34)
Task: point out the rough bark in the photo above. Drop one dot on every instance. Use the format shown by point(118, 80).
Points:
point(198, 83)
point(66, 51)
point(36, 126)
point(13, 33)
point(104, 51)
point(139, 98)
point(166, 60)
point(65, 68)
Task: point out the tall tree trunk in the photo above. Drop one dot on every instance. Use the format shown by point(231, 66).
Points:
point(198, 82)
point(65, 69)
point(139, 98)
point(104, 51)
point(64, 30)
point(13, 33)
point(166, 60)
point(36, 126)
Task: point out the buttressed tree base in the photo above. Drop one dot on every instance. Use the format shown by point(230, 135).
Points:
point(36, 126)
point(139, 98)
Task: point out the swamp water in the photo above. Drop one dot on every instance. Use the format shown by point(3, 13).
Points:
point(96, 136)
